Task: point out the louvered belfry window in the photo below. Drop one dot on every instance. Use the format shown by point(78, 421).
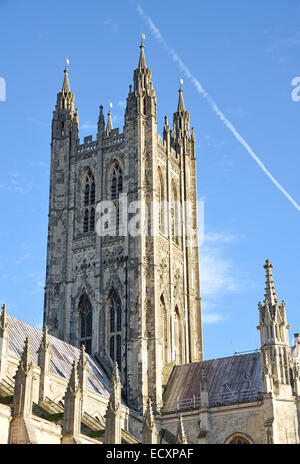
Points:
point(86, 322)
point(89, 198)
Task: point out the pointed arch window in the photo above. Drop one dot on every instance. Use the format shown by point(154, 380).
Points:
point(88, 201)
point(86, 221)
point(116, 188)
point(86, 322)
point(116, 185)
point(161, 203)
point(175, 216)
point(115, 325)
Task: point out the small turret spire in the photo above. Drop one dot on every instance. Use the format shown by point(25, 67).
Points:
point(26, 362)
point(66, 84)
point(270, 292)
point(181, 437)
point(142, 60)
point(109, 126)
point(3, 318)
point(180, 106)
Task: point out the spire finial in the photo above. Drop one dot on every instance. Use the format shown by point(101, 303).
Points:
point(270, 291)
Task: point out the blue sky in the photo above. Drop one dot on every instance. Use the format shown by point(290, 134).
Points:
point(245, 55)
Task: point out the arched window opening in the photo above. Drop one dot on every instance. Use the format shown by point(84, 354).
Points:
point(116, 188)
point(86, 194)
point(86, 221)
point(86, 322)
point(116, 182)
point(238, 439)
point(115, 324)
point(92, 219)
point(93, 194)
point(88, 201)
point(161, 203)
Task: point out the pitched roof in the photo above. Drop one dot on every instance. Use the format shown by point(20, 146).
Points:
point(62, 357)
point(230, 380)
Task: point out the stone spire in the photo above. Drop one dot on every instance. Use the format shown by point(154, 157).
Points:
point(180, 106)
point(142, 77)
point(3, 318)
point(22, 401)
point(274, 336)
point(115, 390)
point(83, 375)
point(66, 84)
point(180, 437)
point(109, 126)
point(101, 123)
point(181, 120)
point(72, 407)
point(113, 412)
point(44, 358)
point(65, 119)
point(142, 60)
point(149, 428)
point(270, 292)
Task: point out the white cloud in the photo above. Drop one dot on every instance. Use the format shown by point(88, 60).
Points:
point(218, 275)
point(211, 318)
point(221, 237)
point(122, 104)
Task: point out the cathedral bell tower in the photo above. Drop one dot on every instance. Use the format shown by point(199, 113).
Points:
point(125, 284)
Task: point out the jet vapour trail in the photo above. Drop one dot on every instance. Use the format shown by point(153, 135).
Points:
point(185, 70)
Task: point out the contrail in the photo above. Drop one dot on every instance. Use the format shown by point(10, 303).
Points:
point(185, 70)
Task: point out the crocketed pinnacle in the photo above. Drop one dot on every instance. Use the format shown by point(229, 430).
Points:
point(45, 338)
point(270, 291)
point(180, 106)
point(142, 60)
point(109, 126)
point(149, 417)
point(3, 318)
point(66, 84)
point(26, 356)
point(73, 384)
point(181, 437)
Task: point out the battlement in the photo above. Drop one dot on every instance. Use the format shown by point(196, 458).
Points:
point(88, 145)
point(113, 138)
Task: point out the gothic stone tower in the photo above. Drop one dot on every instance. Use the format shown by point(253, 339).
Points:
point(129, 292)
